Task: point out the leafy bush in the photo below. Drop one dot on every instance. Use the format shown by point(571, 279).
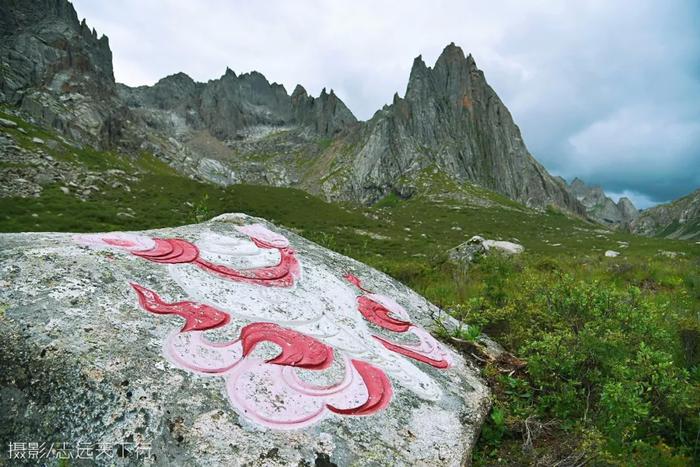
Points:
point(615, 368)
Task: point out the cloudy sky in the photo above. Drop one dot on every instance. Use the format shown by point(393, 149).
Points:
point(606, 90)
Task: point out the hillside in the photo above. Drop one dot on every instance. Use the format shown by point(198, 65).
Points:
point(52, 183)
point(677, 219)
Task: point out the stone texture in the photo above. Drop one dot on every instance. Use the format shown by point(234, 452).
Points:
point(327, 115)
point(83, 361)
point(469, 251)
point(466, 253)
point(7, 123)
point(57, 70)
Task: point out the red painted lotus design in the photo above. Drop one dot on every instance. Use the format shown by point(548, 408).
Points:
point(307, 379)
point(290, 402)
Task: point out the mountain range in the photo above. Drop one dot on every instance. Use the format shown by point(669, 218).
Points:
point(240, 128)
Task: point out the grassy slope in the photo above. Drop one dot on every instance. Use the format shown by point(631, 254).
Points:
point(408, 239)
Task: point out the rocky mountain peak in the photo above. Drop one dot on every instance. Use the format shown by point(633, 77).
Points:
point(451, 54)
point(452, 119)
point(55, 67)
point(601, 207)
point(326, 114)
point(299, 91)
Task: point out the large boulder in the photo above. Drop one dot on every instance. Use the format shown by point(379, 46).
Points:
point(288, 353)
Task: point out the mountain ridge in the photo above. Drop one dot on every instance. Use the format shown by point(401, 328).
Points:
point(244, 129)
point(679, 218)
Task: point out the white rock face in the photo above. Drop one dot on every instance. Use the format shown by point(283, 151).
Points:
point(503, 246)
point(506, 247)
point(289, 353)
point(612, 254)
point(7, 123)
point(215, 172)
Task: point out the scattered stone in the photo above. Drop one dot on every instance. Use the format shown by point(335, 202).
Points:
point(612, 254)
point(65, 190)
point(670, 254)
point(467, 252)
point(36, 140)
point(504, 247)
point(7, 123)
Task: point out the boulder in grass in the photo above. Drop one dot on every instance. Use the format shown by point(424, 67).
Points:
point(229, 342)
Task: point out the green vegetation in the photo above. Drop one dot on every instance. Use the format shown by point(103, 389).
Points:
point(612, 348)
point(612, 344)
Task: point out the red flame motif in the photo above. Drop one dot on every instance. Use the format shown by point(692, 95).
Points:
point(428, 351)
point(282, 275)
point(377, 314)
point(379, 391)
point(170, 251)
point(424, 352)
point(198, 317)
point(298, 350)
point(288, 401)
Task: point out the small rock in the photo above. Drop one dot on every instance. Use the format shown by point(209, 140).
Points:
point(36, 140)
point(65, 190)
point(7, 123)
point(612, 254)
point(467, 252)
point(505, 247)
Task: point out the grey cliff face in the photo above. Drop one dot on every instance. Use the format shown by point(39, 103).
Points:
point(44, 44)
point(233, 103)
point(57, 70)
point(327, 115)
point(601, 208)
point(450, 118)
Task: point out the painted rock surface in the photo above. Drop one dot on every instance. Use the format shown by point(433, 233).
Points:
point(230, 342)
